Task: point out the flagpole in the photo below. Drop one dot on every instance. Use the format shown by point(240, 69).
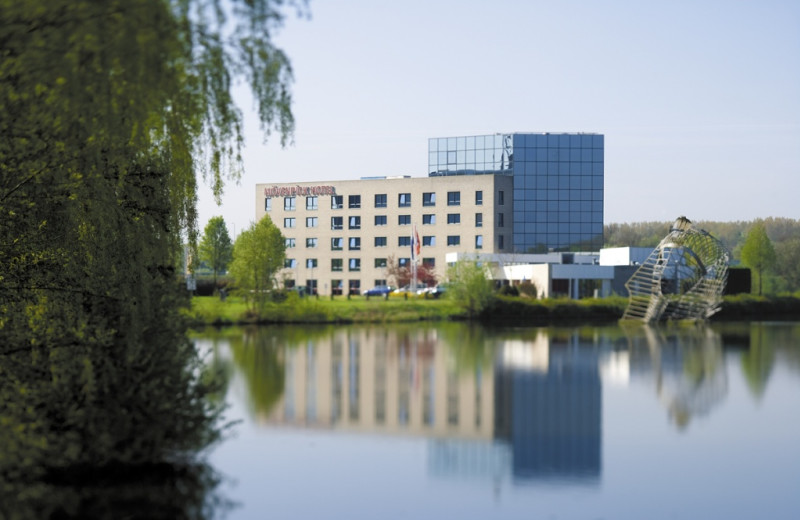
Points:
point(413, 259)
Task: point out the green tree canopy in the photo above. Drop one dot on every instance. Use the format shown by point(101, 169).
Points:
point(470, 286)
point(258, 255)
point(215, 246)
point(108, 113)
point(758, 253)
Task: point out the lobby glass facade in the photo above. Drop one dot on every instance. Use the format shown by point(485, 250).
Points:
point(558, 183)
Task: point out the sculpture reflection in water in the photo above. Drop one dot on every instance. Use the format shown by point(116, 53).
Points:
point(683, 278)
point(685, 365)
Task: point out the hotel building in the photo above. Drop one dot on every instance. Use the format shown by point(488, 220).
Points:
point(503, 193)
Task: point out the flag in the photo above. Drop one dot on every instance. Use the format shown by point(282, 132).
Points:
point(413, 248)
point(416, 241)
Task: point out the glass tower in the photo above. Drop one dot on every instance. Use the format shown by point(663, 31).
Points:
point(558, 183)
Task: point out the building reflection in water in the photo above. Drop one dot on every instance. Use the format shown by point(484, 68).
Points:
point(524, 406)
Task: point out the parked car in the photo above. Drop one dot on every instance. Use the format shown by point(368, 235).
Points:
point(417, 289)
point(438, 290)
point(379, 290)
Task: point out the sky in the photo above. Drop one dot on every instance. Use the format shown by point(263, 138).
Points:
point(699, 100)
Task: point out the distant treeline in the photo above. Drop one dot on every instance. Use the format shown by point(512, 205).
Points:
point(783, 232)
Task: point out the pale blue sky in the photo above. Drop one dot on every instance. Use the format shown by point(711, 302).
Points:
point(699, 101)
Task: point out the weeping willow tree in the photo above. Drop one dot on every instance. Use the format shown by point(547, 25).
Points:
point(109, 113)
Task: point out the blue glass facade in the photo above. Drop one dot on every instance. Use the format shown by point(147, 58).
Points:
point(558, 183)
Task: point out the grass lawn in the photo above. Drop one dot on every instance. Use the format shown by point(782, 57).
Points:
point(210, 310)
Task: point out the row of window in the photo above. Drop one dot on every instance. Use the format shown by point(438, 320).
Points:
point(337, 286)
point(381, 201)
point(354, 264)
point(354, 222)
point(354, 243)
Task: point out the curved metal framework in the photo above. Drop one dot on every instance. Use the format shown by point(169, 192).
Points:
point(683, 278)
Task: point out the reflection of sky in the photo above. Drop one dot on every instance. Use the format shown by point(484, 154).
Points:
point(742, 460)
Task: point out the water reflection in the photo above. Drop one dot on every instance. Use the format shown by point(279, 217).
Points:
point(518, 405)
point(684, 366)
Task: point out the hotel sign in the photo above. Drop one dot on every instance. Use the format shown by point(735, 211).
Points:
point(292, 191)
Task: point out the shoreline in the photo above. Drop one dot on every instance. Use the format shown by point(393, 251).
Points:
point(208, 311)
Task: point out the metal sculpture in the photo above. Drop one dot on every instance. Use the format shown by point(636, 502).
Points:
point(682, 279)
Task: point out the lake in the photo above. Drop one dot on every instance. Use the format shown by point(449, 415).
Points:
point(452, 420)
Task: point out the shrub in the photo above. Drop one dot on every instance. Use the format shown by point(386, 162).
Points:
point(508, 290)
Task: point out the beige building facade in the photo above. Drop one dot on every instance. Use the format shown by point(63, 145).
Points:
point(342, 235)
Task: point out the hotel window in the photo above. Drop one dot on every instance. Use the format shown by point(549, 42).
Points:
point(354, 244)
point(354, 223)
point(336, 287)
point(404, 220)
point(479, 198)
point(501, 198)
point(380, 200)
point(337, 201)
point(453, 198)
point(404, 200)
point(337, 244)
point(500, 242)
point(478, 241)
point(354, 201)
point(478, 219)
point(289, 263)
point(311, 243)
point(453, 240)
point(337, 222)
point(289, 222)
point(428, 241)
point(403, 241)
point(355, 264)
point(336, 264)
point(380, 262)
point(454, 218)
point(500, 220)
point(380, 282)
point(429, 199)
point(380, 220)
point(288, 242)
point(268, 204)
point(403, 262)
point(311, 221)
point(429, 219)
point(380, 241)
point(354, 287)
point(289, 203)
point(429, 262)
point(311, 263)
point(312, 203)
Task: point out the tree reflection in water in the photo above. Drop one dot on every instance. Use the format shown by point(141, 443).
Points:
point(131, 446)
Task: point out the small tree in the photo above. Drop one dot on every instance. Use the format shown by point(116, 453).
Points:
point(258, 255)
point(402, 276)
point(215, 247)
point(758, 253)
point(470, 286)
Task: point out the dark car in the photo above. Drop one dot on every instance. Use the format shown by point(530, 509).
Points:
point(438, 291)
point(378, 290)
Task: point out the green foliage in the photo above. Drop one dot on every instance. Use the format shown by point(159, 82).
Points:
point(528, 288)
point(469, 285)
point(787, 263)
point(215, 247)
point(758, 252)
point(107, 112)
point(258, 255)
point(508, 290)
